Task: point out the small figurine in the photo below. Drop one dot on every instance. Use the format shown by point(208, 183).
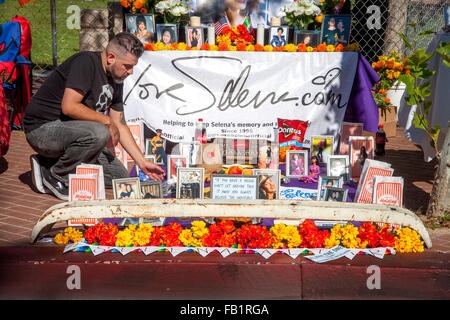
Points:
point(314, 171)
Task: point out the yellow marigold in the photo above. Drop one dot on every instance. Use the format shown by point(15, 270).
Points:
point(125, 238)
point(214, 48)
point(250, 48)
point(319, 18)
point(193, 236)
point(309, 49)
point(408, 240)
point(182, 46)
point(330, 48)
point(285, 236)
point(268, 48)
point(61, 239)
point(346, 236)
point(232, 48)
point(142, 234)
point(290, 47)
point(158, 46)
point(73, 234)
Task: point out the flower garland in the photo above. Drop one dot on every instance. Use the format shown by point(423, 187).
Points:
point(238, 34)
point(225, 234)
point(225, 46)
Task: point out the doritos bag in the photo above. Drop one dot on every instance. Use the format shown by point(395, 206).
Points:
point(290, 135)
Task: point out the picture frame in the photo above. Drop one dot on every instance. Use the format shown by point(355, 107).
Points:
point(279, 36)
point(322, 147)
point(193, 152)
point(142, 26)
point(356, 144)
point(151, 190)
point(122, 191)
point(297, 167)
point(222, 188)
point(174, 162)
point(137, 131)
point(162, 159)
point(336, 29)
point(141, 175)
point(307, 37)
point(167, 33)
point(336, 194)
point(265, 186)
point(324, 182)
point(339, 166)
point(349, 129)
point(195, 36)
point(190, 183)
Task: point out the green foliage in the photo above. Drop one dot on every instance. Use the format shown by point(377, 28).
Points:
point(418, 83)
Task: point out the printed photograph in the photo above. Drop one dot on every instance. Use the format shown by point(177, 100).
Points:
point(296, 163)
point(338, 166)
point(279, 36)
point(193, 152)
point(141, 175)
point(190, 183)
point(349, 129)
point(142, 26)
point(268, 157)
point(322, 148)
point(328, 182)
point(157, 146)
point(151, 190)
point(128, 188)
point(268, 184)
point(308, 38)
point(194, 37)
point(336, 194)
point(336, 29)
point(361, 148)
point(175, 162)
point(167, 34)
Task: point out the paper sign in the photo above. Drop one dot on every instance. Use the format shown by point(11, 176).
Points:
point(294, 193)
point(237, 187)
point(388, 190)
point(332, 254)
point(121, 154)
point(83, 188)
point(94, 169)
point(364, 192)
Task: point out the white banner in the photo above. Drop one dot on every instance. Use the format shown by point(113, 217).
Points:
point(239, 94)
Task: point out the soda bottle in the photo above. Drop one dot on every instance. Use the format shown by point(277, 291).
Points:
point(380, 141)
point(200, 131)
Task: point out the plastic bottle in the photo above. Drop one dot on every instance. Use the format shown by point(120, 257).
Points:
point(380, 141)
point(200, 131)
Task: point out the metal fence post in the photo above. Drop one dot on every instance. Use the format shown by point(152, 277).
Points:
point(53, 22)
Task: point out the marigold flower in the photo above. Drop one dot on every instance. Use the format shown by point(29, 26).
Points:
point(268, 48)
point(285, 236)
point(322, 47)
point(232, 48)
point(301, 47)
point(241, 47)
point(309, 49)
point(61, 239)
point(290, 47)
point(259, 48)
point(223, 47)
point(214, 48)
point(182, 46)
point(250, 48)
point(408, 240)
point(330, 48)
point(205, 46)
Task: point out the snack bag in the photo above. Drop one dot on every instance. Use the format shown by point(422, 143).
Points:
point(290, 135)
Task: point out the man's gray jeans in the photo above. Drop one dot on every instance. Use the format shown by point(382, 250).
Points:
point(74, 142)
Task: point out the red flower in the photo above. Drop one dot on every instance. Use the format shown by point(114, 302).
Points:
point(253, 236)
point(170, 235)
point(104, 235)
point(220, 234)
point(312, 237)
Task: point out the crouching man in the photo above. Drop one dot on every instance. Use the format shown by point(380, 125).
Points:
point(77, 117)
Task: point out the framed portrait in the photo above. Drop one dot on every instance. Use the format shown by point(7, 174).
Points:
point(361, 148)
point(192, 151)
point(268, 183)
point(349, 129)
point(307, 37)
point(194, 36)
point(156, 146)
point(167, 33)
point(142, 26)
point(336, 194)
point(279, 36)
point(296, 163)
point(328, 182)
point(237, 187)
point(339, 166)
point(141, 175)
point(336, 29)
point(190, 183)
point(322, 147)
point(151, 189)
point(127, 188)
point(174, 162)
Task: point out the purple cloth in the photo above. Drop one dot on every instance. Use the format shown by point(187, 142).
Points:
point(361, 105)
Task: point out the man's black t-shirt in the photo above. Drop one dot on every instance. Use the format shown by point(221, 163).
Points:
point(82, 71)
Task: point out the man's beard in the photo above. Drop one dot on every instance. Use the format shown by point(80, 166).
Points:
point(115, 79)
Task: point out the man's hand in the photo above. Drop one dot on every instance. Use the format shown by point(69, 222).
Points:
point(152, 170)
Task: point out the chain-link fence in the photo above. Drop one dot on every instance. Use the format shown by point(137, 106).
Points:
point(376, 23)
point(61, 28)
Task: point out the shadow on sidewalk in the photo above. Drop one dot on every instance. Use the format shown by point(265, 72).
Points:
point(3, 165)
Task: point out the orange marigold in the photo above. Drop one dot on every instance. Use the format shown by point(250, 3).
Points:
point(205, 46)
point(259, 47)
point(241, 47)
point(301, 47)
point(223, 47)
point(148, 46)
point(322, 47)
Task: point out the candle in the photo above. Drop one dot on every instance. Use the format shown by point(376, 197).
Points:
point(211, 35)
point(195, 21)
point(260, 34)
point(275, 22)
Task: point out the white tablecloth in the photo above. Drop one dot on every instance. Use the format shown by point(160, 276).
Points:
point(440, 111)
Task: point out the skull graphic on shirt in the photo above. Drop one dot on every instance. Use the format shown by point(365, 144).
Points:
point(104, 98)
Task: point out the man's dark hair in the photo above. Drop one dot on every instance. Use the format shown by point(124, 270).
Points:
point(126, 42)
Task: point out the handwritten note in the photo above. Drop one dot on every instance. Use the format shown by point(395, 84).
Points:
point(238, 187)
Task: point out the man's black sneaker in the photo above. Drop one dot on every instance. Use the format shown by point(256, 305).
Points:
point(54, 185)
point(36, 174)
